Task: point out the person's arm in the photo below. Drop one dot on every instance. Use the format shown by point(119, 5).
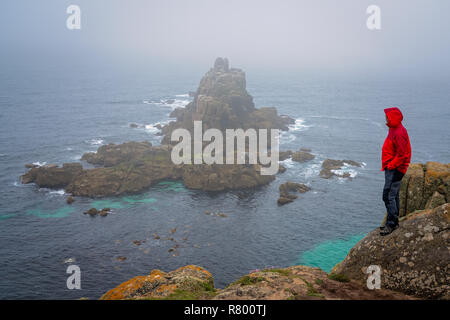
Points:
point(400, 145)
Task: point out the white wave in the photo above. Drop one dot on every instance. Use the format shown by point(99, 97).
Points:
point(95, 142)
point(39, 164)
point(17, 184)
point(170, 103)
point(78, 157)
point(299, 125)
point(2, 154)
point(286, 137)
point(152, 128)
point(177, 103)
point(345, 171)
point(184, 95)
point(69, 260)
point(58, 192)
point(312, 170)
point(69, 149)
point(288, 163)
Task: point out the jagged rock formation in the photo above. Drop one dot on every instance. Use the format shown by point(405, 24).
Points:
point(329, 167)
point(424, 186)
point(414, 259)
point(53, 176)
point(297, 282)
point(288, 189)
point(283, 155)
point(222, 102)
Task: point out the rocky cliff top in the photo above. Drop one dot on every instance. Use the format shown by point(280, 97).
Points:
point(297, 282)
point(414, 259)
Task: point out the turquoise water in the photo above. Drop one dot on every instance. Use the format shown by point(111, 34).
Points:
point(327, 254)
point(113, 203)
point(58, 213)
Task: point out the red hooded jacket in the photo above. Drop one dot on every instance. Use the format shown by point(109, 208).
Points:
point(396, 153)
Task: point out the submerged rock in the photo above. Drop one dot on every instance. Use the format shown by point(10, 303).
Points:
point(414, 259)
point(93, 212)
point(104, 212)
point(69, 200)
point(329, 167)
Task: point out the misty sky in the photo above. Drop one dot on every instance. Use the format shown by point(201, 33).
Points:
point(323, 35)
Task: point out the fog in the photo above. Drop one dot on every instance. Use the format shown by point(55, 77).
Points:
point(315, 36)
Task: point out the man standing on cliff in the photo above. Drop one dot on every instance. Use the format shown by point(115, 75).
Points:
point(396, 156)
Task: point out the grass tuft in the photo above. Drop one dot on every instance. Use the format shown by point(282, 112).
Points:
point(338, 277)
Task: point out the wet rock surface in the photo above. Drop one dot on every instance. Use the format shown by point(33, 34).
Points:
point(329, 167)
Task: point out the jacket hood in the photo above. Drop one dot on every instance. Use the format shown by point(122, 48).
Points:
point(394, 116)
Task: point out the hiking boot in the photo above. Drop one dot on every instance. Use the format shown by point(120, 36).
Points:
point(388, 230)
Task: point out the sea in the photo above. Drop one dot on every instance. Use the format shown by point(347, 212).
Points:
point(53, 115)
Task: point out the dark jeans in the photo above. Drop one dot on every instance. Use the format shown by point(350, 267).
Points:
point(393, 179)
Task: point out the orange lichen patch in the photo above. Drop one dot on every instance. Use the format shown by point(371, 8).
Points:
point(125, 289)
point(195, 268)
point(157, 274)
point(436, 170)
point(166, 289)
point(418, 213)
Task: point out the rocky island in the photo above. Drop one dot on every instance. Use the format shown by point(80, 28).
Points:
point(221, 101)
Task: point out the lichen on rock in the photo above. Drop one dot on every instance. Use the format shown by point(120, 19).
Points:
point(414, 259)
